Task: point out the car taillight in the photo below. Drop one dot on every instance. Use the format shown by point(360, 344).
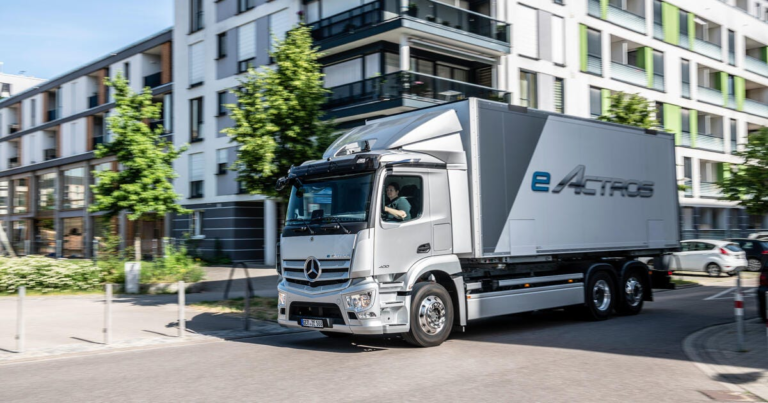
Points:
point(723, 251)
point(765, 252)
point(763, 279)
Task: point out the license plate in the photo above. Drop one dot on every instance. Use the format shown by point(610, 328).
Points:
point(312, 323)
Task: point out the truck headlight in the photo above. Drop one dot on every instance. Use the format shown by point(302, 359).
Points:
point(360, 301)
point(280, 299)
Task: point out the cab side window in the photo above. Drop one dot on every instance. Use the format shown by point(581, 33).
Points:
point(685, 247)
point(403, 198)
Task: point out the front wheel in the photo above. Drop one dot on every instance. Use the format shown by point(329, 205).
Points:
point(713, 270)
point(431, 315)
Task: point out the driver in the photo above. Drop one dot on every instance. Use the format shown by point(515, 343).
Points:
point(396, 208)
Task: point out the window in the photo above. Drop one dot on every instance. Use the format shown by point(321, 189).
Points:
point(402, 198)
point(168, 113)
point(311, 11)
point(73, 238)
point(20, 196)
point(74, 188)
point(660, 113)
point(46, 185)
point(685, 73)
point(658, 63)
point(594, 45)
point(196, 175)
point(685, 117)
point(3, 197)
point(222, 45)
point(342, 73)
point(196, 64)
point(558, 40)
point(221, 101)
point(246, 46)
point(221, 161)
point(5, 90)
point(279, 24)
point(127, 71)
point(19, 236)
point(528, 89)
point(196, 224)
point(683, 21)
point(595, 102)
point(731, 48)
point(657, 12)
point(245, 5)
point(196, 119)
point(528, 31)
point(560, 2)
point(559, 95)
point(33, 112)
point(196, 15)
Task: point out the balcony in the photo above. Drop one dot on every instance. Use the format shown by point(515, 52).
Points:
point(658, 82)
point(755, 108)
point(155, 124)
point(595, 65)
point(629, 74)
point(93, 101)
point(756, 66)
point(13, 162)
point(49, 154)
point(428, 15)
point(52, 115)
point(153, 80)
point(710, 143)
point(422, 88)
point(734, 146)
point(626, 19)
point(711, 96)
point(688, 192)
point(710, 189)
point(707, 49)
point(658, 31)
point(685, 139)
point(13, 128)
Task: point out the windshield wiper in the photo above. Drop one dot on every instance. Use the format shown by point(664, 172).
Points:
point(306, 227)
point(340, 224)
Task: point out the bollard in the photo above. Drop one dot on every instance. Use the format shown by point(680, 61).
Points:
point(108, 315)
point(739, 311)
point(20, 320)
point(182, 318)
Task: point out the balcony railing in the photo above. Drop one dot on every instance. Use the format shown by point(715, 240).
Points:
point(13, 162)
point(156, 124)
point(688, 192)
point(153, 80)
point(710, 189)
point(710, 96)
point(410, 85)
point(731, 58)
point(734, 146)
point(707, 49)
point(629, 74)
point(709, 142)
point(684, 41)
point(755, 108)
point(685, 139)
point(686, 90)
point(52, 115)
point(49, 154)
point(731, 102)
point(658, 31)
point(93, 101)
point(593, 8)
point(658, 82)
point(382, 10)
point(13, 128)
point(626, 19)
point(595, 65)
point(756, 65)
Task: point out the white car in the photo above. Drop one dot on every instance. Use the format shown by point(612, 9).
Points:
point(710, 256)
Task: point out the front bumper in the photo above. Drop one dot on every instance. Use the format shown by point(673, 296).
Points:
point(389, 308)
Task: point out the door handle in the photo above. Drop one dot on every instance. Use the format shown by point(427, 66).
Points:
point(423, 248)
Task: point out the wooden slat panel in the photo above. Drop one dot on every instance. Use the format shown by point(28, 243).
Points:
point(166, 63)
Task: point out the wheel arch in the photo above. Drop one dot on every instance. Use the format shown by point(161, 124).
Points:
point(446, 271)
point(598, 267)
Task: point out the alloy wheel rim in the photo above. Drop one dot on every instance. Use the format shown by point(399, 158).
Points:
point(432, 315)
point(754, 265)
point(712, 269)
point(601, 295)
point(634, 291)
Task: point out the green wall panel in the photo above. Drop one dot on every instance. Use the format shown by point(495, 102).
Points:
point(764, 54)
point(722, 85)
point(604, 9)
point(670, 19)
point(672, 121)
point(645, 61)
point(606, 100)
point(691, 31)
point(583, 44)
point(740, 92)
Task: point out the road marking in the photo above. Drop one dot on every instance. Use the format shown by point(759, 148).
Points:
point(719, 294)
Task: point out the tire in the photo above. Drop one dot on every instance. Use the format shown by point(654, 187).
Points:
point(713, 270)
point(631, 293)
point(600, 296)
point(754, 265)
point(431, 315)
point(335, 335)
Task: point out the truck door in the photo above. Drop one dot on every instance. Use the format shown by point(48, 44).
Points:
point(403, 233)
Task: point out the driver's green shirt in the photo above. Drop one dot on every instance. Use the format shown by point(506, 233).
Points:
point(398, 204)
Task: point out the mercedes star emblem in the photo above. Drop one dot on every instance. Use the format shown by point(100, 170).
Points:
point(312, 269)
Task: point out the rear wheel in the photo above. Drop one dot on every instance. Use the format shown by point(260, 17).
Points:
point(600, 296)
point(431, 315)
point(713, 270)
point(754, 265)
point(632, 293)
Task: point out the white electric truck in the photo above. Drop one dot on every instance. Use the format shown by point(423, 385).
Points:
point(417, 223)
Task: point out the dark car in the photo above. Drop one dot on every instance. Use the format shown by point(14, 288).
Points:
point(761, 290)
point(757, 252)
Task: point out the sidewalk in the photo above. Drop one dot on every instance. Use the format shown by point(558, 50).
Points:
point(715, 351)
point(65, 325)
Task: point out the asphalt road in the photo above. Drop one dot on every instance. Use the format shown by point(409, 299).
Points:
point(548, 357)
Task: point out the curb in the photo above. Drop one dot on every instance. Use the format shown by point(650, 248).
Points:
point(714, 370)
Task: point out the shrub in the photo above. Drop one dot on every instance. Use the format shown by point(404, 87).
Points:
point(45, 274)
point(176, 265)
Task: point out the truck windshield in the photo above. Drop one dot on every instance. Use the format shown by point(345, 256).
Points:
point(342, 198)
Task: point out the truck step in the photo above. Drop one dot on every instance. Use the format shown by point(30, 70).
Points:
point(393, 284)
point(392, 304)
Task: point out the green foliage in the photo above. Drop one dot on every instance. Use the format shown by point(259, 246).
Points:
point(144, 183)
point(44, 274)
point(109, 257)
point(278, 115)
point(632, 110)
point(749, 184)
point(176, 265)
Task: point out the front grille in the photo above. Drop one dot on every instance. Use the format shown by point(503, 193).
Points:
point(308, 310)
point(334, 275)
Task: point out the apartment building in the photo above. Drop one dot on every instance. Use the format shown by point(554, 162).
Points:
point(704, 63)
point(12, 84)
point(47, 137)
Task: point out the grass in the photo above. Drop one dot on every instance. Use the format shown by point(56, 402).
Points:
point(681, 282)
point(261, 308)
point(35, 293)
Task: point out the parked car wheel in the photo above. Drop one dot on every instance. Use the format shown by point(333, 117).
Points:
point(713, 270)
point(754, 265)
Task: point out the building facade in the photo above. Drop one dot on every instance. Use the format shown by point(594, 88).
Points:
point(12, 84)
point(47, 137)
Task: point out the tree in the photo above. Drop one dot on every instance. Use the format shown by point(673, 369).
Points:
point(278, 118)
point(632, 110)
point(143, 185)
point(749, 184)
